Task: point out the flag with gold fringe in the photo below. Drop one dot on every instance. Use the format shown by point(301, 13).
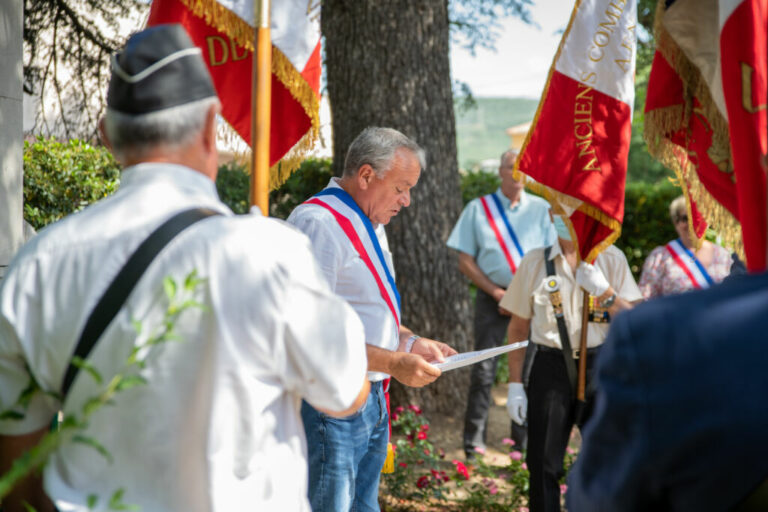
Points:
point(224, 30)
point(706, 113)
point(576, 150)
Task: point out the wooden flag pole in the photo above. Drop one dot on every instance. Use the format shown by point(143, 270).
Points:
point(582, 379)
point(261, 111)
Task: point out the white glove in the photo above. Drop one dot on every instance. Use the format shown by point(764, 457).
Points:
point(517, 402)
point(591, 279)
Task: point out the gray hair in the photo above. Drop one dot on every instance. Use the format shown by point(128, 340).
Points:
point(170, 127)
point(376, 147)
point(513, 152)
point(677, 209)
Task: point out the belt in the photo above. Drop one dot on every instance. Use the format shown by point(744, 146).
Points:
point(591, 351)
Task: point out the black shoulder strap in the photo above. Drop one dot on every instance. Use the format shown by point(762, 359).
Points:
point(122, 285)
point(565, 341)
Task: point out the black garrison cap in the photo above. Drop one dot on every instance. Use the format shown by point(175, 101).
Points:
point(159, 68)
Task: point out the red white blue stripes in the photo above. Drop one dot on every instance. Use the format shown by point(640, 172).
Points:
point(692, 267)
point(502, 228)
point(359, 230)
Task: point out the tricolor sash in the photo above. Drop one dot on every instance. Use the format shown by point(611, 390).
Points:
point(502, 228)
point(690, 264)
point(360, 232)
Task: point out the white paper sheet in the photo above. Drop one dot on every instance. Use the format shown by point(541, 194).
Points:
point(467, 358)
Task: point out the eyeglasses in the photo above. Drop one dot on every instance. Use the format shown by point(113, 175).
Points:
point(681, 218)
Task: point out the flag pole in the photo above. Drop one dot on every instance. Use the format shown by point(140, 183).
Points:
point(261, 102)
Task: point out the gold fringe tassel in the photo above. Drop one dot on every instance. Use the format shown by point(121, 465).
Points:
point(310, 102)
point(557, 199)
point(226, 21)
point(661, 123)
point(223, 20)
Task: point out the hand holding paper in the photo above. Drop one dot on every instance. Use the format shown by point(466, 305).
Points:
point(467, 358)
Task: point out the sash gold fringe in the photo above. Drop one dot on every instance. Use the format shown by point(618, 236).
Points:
point(226, 21)
point(661, 123)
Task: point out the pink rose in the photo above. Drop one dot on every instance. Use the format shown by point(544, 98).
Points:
point(508, 441)
point(515, 455)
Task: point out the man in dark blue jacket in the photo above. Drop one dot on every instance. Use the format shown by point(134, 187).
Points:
point(681, 414)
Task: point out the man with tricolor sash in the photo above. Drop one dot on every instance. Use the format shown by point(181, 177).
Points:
point(491, 236)
point(345, 223)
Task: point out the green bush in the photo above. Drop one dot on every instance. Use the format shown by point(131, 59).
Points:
point(476, 184)
point(233, 183)
point(646, 220)
point(63, 177)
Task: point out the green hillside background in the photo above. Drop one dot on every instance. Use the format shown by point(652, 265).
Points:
point(481, 131)
point(481, 135)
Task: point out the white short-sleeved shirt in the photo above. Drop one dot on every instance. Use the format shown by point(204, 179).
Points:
point(348, 275)
point(217, 427)
point(528, 298)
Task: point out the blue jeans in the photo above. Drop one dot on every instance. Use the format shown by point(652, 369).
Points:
point(346, 455)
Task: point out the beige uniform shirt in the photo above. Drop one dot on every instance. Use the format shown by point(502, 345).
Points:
point(527, 296)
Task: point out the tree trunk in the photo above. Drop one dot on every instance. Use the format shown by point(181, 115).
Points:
point(387, 65)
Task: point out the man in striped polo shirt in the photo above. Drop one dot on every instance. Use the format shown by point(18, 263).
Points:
point(491, 236)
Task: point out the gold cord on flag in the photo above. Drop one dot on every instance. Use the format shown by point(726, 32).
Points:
point(662, 122)
point(226, 21)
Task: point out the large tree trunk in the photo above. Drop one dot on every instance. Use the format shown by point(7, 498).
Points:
point(388, 65)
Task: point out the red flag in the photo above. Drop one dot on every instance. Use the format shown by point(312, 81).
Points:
point(745, 86)
point(576, 150)
point(698, 120)
point(680, 135)
point(224, 31)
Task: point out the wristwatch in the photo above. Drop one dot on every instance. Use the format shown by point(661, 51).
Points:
point(609, 301)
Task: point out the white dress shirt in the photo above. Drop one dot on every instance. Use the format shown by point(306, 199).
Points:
point(217, 427)
point(348, 275)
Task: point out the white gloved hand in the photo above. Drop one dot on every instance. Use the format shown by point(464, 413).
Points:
point(517, 402)
point(591, 279)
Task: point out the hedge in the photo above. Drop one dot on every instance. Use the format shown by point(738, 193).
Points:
point(63, 177)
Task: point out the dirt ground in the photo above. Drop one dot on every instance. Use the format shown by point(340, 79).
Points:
point(446, 432)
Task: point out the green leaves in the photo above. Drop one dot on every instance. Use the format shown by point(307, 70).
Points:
point(84, 365)
point(130, 381)
point(93, 443)
point(63, 177)
point(73, 424)
point(116, 502)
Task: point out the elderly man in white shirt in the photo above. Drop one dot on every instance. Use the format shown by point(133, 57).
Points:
point(217, 425)
point(345, 223)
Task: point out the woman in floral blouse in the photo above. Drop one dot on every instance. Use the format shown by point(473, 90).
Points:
point(677, 267)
